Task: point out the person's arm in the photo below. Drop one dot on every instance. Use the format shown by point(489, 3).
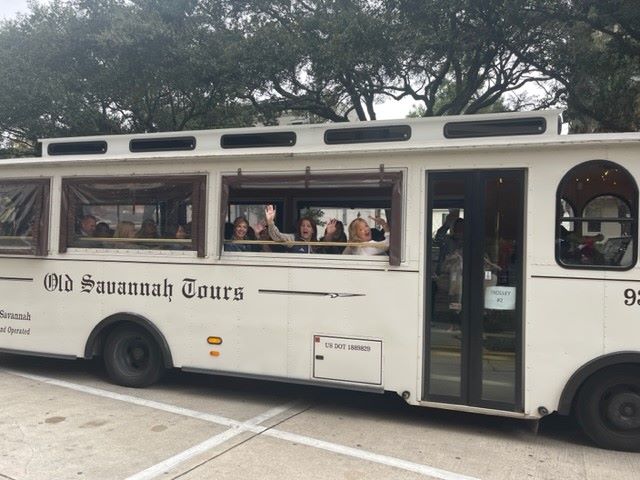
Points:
point(449, 221)
point(275, 234)
point(382, 222)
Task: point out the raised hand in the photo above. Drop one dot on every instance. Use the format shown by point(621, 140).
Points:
point(270, 213)
point(380, 221)
point(330, 229)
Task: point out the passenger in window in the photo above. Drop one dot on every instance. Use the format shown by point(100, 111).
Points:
point(580, 249)
point(125, 229)
point(102, 230)
point(306, 231)
point(262, 233)
point(449, 237)
point(377, 234)
point(241, 231)
point(148, 229)
point(333, 232)
point(87, 226)
point(447, 280)
point(360, 232)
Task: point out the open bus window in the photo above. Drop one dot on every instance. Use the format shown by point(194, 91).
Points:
point(597, 217)
point(141, 214)
point(325, 204)
point(24, 216)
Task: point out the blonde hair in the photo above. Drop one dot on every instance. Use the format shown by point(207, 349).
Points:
point(125, 230)
point(353, 229)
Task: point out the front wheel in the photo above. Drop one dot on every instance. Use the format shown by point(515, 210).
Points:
point(132, 357)
point(608, 408)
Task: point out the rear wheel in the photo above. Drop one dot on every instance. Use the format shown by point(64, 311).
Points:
point(132, 357)
point(608, 408)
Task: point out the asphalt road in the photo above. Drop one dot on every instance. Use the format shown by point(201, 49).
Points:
point(63, 420)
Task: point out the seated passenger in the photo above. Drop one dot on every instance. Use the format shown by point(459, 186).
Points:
point(102, 230)
point(306, 231)
point(241, 231)
point(262, 233)
point(333, 232)
point(148, 229)
point(125, 229)
point(580, 249)
point(87, 226)
point(360, 232)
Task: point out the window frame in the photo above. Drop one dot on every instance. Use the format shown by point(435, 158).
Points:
point(68, 211)
point(44, 204)
point(391, 179)
point(631, 202)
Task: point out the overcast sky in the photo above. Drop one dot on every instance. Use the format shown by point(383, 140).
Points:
point(8, 8)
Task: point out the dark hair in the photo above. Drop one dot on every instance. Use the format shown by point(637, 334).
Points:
point(103, 230)
point(148, 229)
point(314, 236)
point(250, 235)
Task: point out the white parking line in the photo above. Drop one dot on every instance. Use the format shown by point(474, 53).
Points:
point(237, 428)
point(227, 422)
point(369, 456)
point(248, 426)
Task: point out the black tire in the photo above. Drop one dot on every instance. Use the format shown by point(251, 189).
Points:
point(132, 357)
point(608, 408)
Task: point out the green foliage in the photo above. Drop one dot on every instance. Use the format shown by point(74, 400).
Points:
point(591, 48)
point(111, 66)
point(81, 67)
point(314, 214)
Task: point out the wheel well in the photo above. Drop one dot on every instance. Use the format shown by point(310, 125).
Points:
point(569, 393)
point(96, 339)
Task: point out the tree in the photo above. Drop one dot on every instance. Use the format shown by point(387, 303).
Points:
point(591, 49)
point(338, 58)
point(455, 55)
point(325, 57)
point(111, 66)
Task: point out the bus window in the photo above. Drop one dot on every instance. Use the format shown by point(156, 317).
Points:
point(597, 217)
point(23, 216)
point(145, 213)
point(319, 198)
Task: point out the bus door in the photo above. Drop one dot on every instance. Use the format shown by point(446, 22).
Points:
point(473, 347)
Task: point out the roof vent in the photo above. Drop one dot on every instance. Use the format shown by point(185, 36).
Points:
point(254, 140)
point(393, 133)
point(77, 148)
point(496, 128)
point(165, 144)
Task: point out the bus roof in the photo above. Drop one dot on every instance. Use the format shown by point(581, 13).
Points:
point(451, 132)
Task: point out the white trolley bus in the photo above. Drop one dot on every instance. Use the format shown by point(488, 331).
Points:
point(506, 282)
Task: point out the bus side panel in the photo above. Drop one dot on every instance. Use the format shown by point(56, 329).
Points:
point(564, 330)
point(267, 317)
point(622, 311)
point(384, 308)
point(38, 312)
